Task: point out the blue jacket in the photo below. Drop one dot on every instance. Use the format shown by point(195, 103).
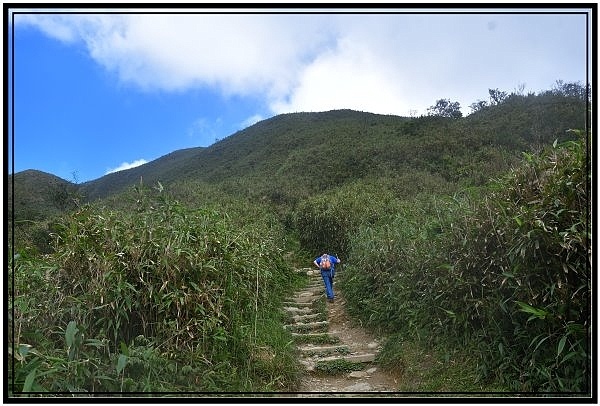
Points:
point(332, 259)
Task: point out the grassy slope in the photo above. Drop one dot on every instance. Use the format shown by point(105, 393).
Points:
point(37, 195)
point(289, 157)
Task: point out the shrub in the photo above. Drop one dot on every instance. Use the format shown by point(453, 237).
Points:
point(326, 222)
point(531, 255)
point(196, 285)
point(507, 274)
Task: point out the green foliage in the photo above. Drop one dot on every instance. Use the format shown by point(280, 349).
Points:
point(35, 195)
point(198, 284)
point(76, 365)
point(273, 363)
point(389, 274)
point(445, 108)
point(290, 157)
point(326, 222)
point(31, 237)
point(421, 368)
point(530, 253)
point(505, 273)
point(34, 198)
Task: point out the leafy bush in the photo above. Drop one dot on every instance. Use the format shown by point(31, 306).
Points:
point(507, 274)
point(389, 279)
point(326, 222)
point(194, 284)
point(529, 250)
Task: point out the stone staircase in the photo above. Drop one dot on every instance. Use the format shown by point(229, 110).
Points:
point(323, 348)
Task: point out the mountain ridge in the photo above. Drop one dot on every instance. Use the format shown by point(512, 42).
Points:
point(292, 156)
point(118, 181)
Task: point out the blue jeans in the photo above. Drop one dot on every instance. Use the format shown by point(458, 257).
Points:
point(327, 276)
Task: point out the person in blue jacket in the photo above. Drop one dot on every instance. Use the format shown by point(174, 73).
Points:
point(326, 264)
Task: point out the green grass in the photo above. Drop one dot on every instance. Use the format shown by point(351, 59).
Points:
point(197, 285)
point(423, 369)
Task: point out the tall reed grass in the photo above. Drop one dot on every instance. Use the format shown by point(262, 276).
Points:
point(503, 272)
point(158, 297)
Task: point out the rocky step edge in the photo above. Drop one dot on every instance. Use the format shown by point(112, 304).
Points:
point(338, 364)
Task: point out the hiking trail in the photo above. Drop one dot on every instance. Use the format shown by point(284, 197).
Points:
point(338, 355)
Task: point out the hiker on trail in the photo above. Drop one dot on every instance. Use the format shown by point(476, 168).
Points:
point(326, 264)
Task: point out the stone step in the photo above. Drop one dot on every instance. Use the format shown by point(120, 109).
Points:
point(307, 294)
point(298, 304)
point(354, 358)
point(308, 327)
point(294, 310)
point(311, 350)
point(308, 271)
point(313, 335)
point(304, 317)
point(313, 287)
point(315, 338)
point(305, 298)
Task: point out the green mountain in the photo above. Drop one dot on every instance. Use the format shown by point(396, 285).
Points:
point(37, 195)
point(290, 157)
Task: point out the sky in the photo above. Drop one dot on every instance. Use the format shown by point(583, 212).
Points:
point(93, 93)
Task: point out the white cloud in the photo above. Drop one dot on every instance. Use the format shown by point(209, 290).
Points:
point(353, 75)
point(385, 63)
point(126, 165)
point(236, 53)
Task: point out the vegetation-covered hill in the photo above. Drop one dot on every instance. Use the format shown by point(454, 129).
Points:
point(38, 195)
point(292, 156)
point(466, 238)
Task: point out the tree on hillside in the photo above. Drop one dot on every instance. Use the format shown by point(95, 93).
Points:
point(574, 89)
point(445, 108)
point(497, 96)
point(478, 105)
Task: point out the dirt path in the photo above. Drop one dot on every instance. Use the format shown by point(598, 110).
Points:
point(339, 356)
